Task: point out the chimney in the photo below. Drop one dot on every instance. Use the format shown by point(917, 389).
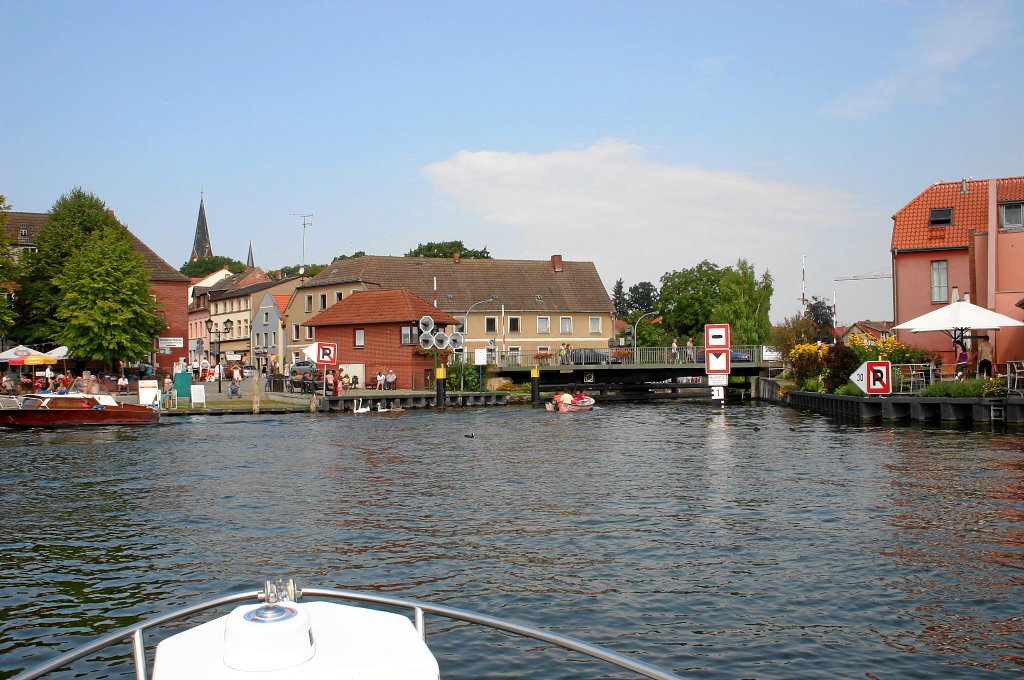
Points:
point(556, 262)
point(455, 257)
point(963, 185)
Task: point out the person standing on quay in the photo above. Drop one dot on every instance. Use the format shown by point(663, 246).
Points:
point(985, 357)
point(675, 350)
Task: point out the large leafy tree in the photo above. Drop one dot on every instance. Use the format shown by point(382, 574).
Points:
point(106, 312)
point(794, 330)
point(743, 302)
point(8, 273)
point(619, 299)
point(197, 269)
point(643, 297)
point(819, 311)
point(72, 221)
point(688, 296)
point(448, 249)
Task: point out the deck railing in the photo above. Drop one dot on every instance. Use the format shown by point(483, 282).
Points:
point(645, 356)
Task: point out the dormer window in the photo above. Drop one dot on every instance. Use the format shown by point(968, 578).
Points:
point(23, 233)
point(1011, 217)
point(940, 217)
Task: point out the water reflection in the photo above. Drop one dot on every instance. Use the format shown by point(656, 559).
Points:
point(761, 543)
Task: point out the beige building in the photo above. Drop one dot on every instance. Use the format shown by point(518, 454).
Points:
point(515, 308)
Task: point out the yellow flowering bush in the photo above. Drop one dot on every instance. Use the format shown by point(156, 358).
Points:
point(890, 349)
point(806, 361)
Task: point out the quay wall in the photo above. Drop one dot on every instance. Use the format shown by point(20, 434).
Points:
point(897, 408)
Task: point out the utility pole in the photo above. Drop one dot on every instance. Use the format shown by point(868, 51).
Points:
point(305, 223)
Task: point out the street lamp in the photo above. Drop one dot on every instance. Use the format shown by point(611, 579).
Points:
point(636, 327)
point(215, 348)
point(462, 373)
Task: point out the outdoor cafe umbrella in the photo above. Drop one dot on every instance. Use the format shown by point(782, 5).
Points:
point(31, 360)
point(16, 356)
point(957, 319)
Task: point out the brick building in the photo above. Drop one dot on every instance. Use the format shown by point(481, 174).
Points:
point(378, 330)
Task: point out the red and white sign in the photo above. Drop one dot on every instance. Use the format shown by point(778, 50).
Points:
point(716, 336)
point(717, 361)
point(874, 377)
point(322, 352)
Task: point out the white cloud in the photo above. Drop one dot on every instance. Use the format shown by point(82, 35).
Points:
point(948, 40)
point(638, 219)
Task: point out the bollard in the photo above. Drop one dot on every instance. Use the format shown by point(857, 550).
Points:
point(440, 378)
point(535, 385)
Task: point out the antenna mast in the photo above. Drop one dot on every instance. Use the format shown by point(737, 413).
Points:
point(305, 224)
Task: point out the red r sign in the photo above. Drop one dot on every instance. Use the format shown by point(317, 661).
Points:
point(326, 353)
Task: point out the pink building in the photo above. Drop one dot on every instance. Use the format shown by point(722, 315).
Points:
point(961, 238)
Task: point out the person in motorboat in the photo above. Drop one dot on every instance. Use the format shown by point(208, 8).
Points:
point(580, 396)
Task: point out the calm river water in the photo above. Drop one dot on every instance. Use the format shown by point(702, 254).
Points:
point(767, 543)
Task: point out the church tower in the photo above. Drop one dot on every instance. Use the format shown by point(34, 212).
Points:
point(201, 248)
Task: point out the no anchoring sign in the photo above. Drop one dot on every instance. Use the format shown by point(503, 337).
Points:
point(874, 377)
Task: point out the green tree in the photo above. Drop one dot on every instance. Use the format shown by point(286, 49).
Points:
point(649, 334)
point(201, 268)
point(308, 270)
point(106, 312)
point(71, 222)
point(619, 300)
point(643, 297)
point(8, 273)
point(448, 249)
point(793, 331)
point(743, 302)
point(687, 298)
point(819, 311)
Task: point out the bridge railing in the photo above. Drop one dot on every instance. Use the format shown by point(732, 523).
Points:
point(646, 356)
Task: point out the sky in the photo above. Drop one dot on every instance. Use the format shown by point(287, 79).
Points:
point(643, 136)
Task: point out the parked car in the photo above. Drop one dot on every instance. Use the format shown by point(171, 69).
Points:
point(300, 368)
point(248, 371)
point(587, 355)
point(733, 355)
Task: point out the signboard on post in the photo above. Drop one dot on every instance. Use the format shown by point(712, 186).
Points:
point(716, 336)
point(874, 377)
point(717, 361)
point(322, 352)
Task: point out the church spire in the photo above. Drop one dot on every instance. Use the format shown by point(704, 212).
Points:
point(250, 263)
point(201, 248)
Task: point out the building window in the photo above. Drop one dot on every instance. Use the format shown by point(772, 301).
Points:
point(940, 217)
point(565, 324)
point(360, 337)
point(490, 324)
point(323, 301)
point(266, 318)
point(514, 324)
point(23, 233)
point(460, 327)
point(309, 332)
point(295, 331)
point(1011, 217)
point(309, 303)
point(940, 276)
point(410, 335)
point(543, 348)
point(595, 324)
point(543, 324)
point(274, 336)
point(337, 296)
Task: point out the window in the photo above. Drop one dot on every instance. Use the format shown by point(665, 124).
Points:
point(309, 303)
point(461, 326)
point(360, 337)
point(543, 324)
point(514, 324)
point(490, 324)
point(565, 324)
point(337, 296)
point(595, 324)
point(940, 217)
point(309, 332)
point(410, 335)
point(1011, 217)
point(23, 233)
point(940, 289)
point(266, 318)
point(543, 348)
point(295, 331)
point(323, 301)
point(274, 336)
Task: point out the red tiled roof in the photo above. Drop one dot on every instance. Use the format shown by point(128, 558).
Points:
point(281, 300)
point(911, 230)
point(380, 306)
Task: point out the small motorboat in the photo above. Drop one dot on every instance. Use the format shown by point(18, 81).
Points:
point(85, 403)
point(584, 404)
point(282, 639)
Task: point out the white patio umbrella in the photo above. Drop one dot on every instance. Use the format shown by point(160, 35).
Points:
point(957, 319)
point(18, 352)
point(61, 352)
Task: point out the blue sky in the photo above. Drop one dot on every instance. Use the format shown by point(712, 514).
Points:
point(643, 136)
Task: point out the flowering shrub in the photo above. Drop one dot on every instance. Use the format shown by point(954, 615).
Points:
point(542, 355)
point(805, 361)
point(622, 353)
point(890, 349)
